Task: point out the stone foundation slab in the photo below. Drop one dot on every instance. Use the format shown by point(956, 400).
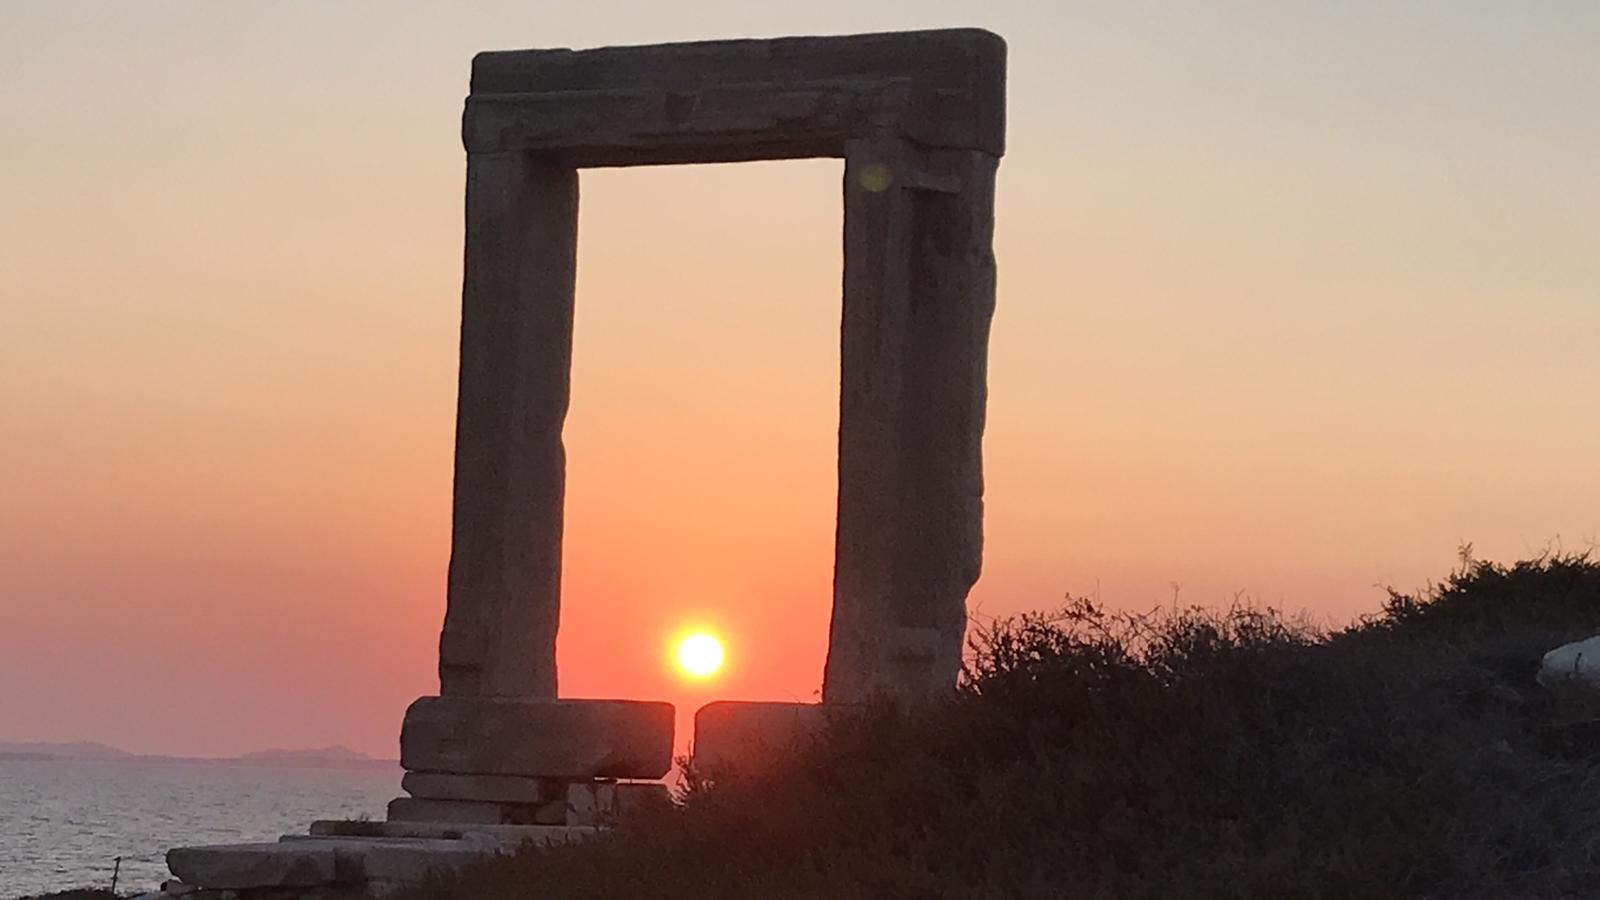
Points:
point(384, 859)
point(477, 812)
point(238, 866)
point(485, 788)
point(508, 836)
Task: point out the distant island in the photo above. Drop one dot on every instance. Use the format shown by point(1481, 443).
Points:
point(336, 751)
point(334, 756)
point(68, 750)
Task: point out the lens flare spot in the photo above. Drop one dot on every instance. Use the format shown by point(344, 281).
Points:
point(876, 177)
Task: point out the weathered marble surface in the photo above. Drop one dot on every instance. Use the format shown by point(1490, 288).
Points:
point(501, 788)
point(918, 299)
point(574, 740)
point(731, 101)
point(745, 735)
point(503, 601)
point(504, 835)
point(590, 803)
point(477, 812)
point(347, 860)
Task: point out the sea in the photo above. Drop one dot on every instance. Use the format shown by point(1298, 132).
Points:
point(64, 822)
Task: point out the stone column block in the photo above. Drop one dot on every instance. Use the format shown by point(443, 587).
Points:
point(574, 740)
point(744, 736)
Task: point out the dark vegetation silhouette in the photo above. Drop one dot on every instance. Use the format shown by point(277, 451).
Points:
point(1179, 753)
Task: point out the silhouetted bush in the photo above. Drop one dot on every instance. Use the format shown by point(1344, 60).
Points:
point(1176, 754)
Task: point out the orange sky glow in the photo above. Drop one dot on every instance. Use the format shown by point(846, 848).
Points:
point(1293, 302)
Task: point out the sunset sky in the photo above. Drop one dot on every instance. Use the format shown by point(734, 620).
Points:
point(1295, 298)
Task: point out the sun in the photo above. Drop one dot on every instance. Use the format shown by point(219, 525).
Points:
point(700, 655)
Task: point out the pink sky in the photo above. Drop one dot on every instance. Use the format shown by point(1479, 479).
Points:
point(1292, 303)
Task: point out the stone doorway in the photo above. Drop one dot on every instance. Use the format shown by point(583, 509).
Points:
point(496, 760)
point(918, 119)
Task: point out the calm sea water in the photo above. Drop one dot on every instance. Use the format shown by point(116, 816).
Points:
point(62, 822)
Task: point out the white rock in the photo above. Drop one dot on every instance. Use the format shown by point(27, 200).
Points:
point(1575, 663)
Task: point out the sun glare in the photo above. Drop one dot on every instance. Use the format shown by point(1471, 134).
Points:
point(700, 655)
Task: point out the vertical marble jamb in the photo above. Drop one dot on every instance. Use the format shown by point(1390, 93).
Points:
point(943, 415)
point(877, 234)
point(918, 299)
point(520, 271)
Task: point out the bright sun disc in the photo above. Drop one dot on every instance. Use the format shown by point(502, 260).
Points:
point(700, 655)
